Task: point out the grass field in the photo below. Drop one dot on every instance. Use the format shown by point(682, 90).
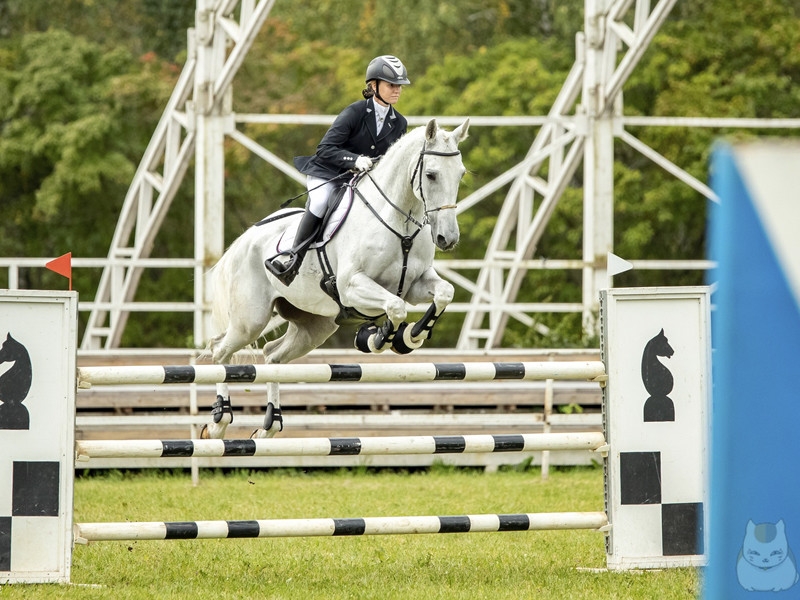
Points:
point(517, 565)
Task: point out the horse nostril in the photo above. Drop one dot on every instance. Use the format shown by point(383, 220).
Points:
point(444, 243)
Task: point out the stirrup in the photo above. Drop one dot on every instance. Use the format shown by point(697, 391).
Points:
point(284, 272)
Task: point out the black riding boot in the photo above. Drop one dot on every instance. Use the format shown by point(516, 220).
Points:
point(286, 265)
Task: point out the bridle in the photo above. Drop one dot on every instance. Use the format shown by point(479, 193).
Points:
point(406, 241)
point(419, 169)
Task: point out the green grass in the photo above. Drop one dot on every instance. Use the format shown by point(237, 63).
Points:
point(491, 565)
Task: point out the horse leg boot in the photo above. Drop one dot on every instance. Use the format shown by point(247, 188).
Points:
point(373, 339)
point(411, 336)
point(222, 415)
point(305, 236)
point(273, 419)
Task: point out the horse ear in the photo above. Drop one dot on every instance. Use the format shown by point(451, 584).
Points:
point(462, 131)
point(431, 129)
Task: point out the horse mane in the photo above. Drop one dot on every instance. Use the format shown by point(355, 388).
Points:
point(408, 141)
point(402, 145)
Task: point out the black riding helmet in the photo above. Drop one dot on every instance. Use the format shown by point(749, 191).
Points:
point(385, 68)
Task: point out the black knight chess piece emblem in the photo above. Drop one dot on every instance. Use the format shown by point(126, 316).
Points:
point(657, 380)
point(15, 384)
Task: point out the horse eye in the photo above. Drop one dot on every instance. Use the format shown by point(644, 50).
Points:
point(431, 176)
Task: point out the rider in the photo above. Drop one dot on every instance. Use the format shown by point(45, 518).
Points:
point(362, 131)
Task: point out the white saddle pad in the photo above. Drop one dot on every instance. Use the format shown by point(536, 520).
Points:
point(286, 241)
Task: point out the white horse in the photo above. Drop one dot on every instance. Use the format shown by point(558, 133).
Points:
point(379, 259)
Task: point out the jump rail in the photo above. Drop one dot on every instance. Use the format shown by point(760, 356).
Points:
point(182, 530)
point(321, 373)
point(655, 496)
point(455, 444)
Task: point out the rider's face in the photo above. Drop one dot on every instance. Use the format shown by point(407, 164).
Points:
point(390, 92)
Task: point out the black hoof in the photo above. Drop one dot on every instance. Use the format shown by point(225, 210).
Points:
point(399, 343)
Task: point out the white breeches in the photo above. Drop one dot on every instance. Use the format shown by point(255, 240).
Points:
point(319, 190)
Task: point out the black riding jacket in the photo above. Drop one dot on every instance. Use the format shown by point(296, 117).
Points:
point(352, 134)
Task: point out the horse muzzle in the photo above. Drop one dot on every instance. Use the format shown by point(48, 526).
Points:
point(446, 242)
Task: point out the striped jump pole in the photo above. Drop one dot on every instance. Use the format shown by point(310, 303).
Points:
point(526, 442)
point(323, 373)
point(183, 530)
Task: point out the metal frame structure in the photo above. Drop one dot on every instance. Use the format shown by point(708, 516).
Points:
point(582, 125)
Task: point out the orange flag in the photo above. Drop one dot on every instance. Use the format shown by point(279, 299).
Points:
point(63, 266)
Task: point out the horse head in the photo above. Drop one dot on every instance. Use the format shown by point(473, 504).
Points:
point(436, 179)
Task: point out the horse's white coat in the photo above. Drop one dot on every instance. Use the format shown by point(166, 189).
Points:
point(365, 256)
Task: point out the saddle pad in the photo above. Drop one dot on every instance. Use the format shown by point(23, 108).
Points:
point(332, 225)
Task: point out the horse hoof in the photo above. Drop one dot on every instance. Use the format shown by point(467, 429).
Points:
point(213, 431)
point(259, 434)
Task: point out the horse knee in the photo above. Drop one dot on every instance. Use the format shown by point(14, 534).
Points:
point(443, 294)
point(396, 311)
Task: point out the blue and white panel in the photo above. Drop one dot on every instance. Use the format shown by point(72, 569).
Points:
point(38, 334)
point(755, 478)
point(656, 350)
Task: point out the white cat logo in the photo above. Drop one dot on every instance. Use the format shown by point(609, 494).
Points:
point(765, 562)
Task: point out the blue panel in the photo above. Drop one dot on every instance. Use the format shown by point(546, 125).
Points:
point(756, 401)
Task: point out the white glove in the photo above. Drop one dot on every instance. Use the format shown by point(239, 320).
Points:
point(363, 163)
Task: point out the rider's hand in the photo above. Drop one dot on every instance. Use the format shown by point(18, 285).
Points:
point(363, 163)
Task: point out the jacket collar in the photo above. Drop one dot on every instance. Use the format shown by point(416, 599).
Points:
point(388, 124)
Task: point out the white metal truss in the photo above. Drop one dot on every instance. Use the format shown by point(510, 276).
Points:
point(196, 118)
point(582, 125)
point(575, 132)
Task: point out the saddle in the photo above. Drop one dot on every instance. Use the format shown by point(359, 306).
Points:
point(339, 205)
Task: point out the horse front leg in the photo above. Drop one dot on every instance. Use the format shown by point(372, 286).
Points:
point(273, 418)
point(431, 287)
point(367, 296)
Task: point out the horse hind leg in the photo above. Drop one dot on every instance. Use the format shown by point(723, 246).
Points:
point(273, 416)
point(222, 348)
point(305, 333)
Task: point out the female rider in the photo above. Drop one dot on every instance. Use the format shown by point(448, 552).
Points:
point(362, 131)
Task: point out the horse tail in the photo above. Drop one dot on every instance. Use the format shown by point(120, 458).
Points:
point(218, 283)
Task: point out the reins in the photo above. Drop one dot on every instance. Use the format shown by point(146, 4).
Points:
point(407, 241)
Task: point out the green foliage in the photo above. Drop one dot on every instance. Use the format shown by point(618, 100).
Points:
point(60, 148)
